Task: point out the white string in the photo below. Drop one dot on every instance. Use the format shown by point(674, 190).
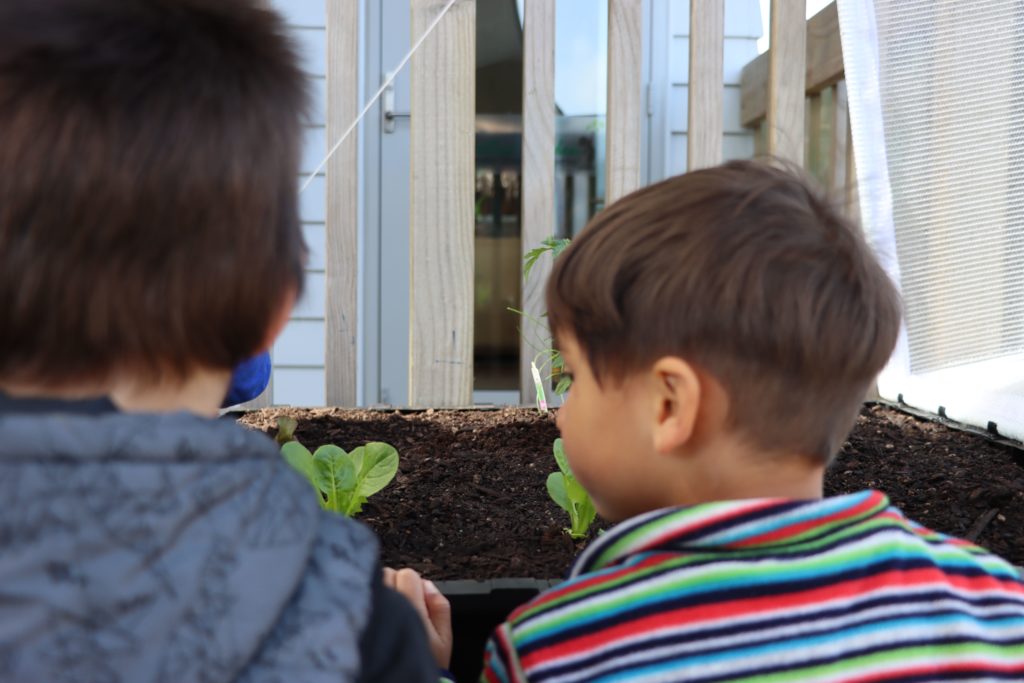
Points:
point(388, 81)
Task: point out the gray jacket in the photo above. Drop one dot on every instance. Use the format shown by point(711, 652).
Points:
point(173, 548)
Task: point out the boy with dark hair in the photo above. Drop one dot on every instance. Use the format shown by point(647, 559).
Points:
point(722, 328)
point(149, 243)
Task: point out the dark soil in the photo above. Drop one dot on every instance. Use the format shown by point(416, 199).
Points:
point(469, 500)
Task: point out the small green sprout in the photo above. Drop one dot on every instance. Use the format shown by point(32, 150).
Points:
point(285, 430)
point(551, 357)
point(342, 481)
point(570, 495)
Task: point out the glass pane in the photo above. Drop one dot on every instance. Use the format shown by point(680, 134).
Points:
point(499, 107)
point(580, 85)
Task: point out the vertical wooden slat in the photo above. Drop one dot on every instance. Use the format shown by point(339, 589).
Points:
point(786, 80)
point(538, 195)
point(441, 152)
point(707, 39)
point(837, 178)
point(625, 78)
point(761, 138)
point(815, 111)
point(342, 247)
point(852, 188)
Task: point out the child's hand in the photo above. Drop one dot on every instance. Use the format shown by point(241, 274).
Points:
point(432, 607)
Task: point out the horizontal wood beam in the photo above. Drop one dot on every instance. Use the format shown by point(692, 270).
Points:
point(824, 66)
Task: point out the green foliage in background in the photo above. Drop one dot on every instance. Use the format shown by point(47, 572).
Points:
point(550, 356)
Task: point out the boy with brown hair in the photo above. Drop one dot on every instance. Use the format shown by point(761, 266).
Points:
point(722, 328)
point(150, 242)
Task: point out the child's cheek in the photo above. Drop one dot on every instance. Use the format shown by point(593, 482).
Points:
point(561, 415)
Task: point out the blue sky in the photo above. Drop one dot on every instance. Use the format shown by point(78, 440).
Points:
point(813, 7)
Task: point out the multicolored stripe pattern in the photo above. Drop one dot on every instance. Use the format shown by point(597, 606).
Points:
point(838, 589)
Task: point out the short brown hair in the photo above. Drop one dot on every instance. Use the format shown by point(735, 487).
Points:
point(148, 171)
point(748, 272)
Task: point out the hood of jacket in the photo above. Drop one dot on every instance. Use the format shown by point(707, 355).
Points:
point(167, 548)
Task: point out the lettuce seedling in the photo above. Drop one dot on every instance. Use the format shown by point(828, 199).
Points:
point(285, 430)
point(570, 495)
point(343, 481)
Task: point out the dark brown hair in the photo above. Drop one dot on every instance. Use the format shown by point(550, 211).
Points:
point(748, 272)
point(148, 172)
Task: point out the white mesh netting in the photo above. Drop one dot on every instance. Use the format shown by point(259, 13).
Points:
point(940, 83)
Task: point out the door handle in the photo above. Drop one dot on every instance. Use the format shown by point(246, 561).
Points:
point(388, 106)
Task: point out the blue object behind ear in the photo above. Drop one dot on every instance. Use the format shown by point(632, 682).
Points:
point(249, 380)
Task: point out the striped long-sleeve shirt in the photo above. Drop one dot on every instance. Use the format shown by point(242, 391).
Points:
point(838, 589)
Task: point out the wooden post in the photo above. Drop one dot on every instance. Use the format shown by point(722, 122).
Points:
point(787, 79)
point(342, 243)
point(814, 112)
point(761, 138)
point(625, 78)
point(824, 66)
point(441, 157)
point(852, 186)
point(837, 179)
point(538, 177)
point(704, 131)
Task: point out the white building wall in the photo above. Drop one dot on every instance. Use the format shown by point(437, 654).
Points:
point(742, 30)
point(299, 352)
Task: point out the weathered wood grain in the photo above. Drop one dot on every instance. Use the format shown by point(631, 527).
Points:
point(824, 65)
point(538, 194)
point(786, 63)
point(443, 88)
point(707, 40)
point(342, 242)
point(625, 79)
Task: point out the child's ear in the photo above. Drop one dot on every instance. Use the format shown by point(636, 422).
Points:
point(282, 313)
point(677, 393)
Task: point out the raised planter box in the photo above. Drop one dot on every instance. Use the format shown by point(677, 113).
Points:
point(477, 609)
point(469, 501)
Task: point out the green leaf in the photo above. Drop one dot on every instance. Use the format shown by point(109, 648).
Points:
point(563, 462)
point(299, 457)
point(564, 384)
point(556, 489)
point(335, 475)
point(375, 465)
point(558, 246)
point(583, 512)
point(570, 495)
point(555, 246)
point(530, 260)
point(285, 430)
point(582, 521)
